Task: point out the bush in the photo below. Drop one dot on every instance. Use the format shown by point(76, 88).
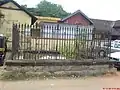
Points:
point(74, 51)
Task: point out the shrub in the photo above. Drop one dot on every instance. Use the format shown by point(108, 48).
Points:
point(76, 50)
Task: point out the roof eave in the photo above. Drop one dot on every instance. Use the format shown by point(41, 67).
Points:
point(78, 11)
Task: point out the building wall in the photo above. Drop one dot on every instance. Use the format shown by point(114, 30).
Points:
point(12, 16)
point(77, 19)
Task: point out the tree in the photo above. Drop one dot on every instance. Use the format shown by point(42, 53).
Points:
point(33, 11)
point(45, 8)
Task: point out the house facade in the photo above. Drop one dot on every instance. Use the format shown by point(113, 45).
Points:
point(13, 13)
point(77, 18)
point(41, 19)
point(101, 26)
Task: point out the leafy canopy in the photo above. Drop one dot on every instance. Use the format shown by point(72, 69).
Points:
point(45, 8)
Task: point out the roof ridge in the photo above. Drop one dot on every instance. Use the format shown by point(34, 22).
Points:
point(74, 13)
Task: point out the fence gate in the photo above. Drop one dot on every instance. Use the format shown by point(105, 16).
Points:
point(58, 41)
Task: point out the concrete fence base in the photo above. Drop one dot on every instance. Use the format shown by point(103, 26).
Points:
point(37, 72)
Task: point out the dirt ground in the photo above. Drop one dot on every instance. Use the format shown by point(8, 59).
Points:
point(88, 83)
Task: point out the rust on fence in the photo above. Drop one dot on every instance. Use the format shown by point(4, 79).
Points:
point(58, 41)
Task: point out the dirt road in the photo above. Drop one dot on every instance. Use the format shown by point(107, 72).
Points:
point(91, 83)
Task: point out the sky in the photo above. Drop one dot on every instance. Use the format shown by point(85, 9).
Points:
point(97, 9)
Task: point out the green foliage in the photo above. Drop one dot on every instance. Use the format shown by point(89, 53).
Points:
point(33, 11)
point(45, 8)
point(68, 51)
point(74, 51)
